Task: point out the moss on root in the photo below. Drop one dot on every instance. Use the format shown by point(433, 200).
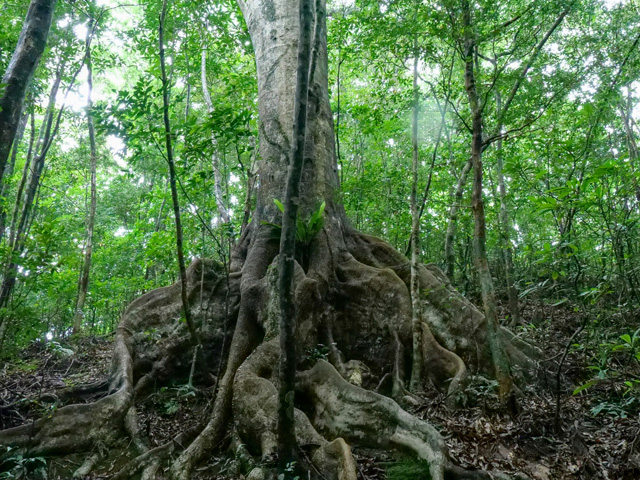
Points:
point(408, 469)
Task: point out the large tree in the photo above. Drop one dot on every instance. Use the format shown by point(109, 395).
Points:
point(352, 294)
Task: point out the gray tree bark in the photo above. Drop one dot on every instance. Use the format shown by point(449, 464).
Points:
point(286, 268)
point(8, 171)
point(20, 71)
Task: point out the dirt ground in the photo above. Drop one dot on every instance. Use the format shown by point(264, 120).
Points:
point(596, 436)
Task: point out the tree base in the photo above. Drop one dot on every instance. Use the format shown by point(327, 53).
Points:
point(353, 326)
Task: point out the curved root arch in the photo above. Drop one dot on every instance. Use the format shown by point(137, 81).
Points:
point(353, 298)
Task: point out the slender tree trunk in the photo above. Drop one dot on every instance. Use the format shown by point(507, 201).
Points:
point(500, 358)
point(86, 267)
point(505, 231)
point(416, 305)
point(23, 181)
point(187, 106)
point(452, 225)
point(287, 373)
point(172, 181)
point(156, 229)
point(19, 222)
point(8, 171)
point(22, 66)
point(338, 117)
point(217, 174)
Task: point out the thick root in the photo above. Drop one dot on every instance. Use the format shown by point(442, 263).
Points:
point(255, 405)
point(341, 409)
point(442, 365)
point(149, 345)
point(73, 428)
point(353, 296)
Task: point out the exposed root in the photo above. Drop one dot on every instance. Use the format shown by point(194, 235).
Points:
point(399, 391)
point(354, 297)
point(87, 465)
point(255, 405)
point(442, 365)
point(137, 354)
point(148, 460)
point(245, 339)
point(72, 428)
point(341, 409)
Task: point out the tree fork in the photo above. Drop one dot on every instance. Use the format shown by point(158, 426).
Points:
point(500, 359)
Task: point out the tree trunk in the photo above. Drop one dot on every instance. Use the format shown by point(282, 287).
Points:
point(452, 225)
point(500, 358)
point(20, 71)
point(416, 304)
point(8, 171)
point(505, 233)
point(23, 181)
point(86, 266)
point(250, 173)
point(287, 374)
point(172, 181)
point(217, 174)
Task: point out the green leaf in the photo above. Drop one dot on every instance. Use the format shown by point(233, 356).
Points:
point(279, 204)
point(589, 384)
point(301, 231)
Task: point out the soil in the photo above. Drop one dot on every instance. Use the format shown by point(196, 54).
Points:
point(482, 434)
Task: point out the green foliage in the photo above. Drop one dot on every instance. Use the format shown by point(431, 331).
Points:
point(23, 467)
point(59, 350)
point(170, 399)
point(319, 352)
point(26, 366)
point(570, 169)
point(614, 409)
point(305, 231)
point(289, 472)
point(615, 386)
point(478, 390)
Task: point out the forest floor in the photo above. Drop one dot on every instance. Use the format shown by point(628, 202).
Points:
point(597, 438)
